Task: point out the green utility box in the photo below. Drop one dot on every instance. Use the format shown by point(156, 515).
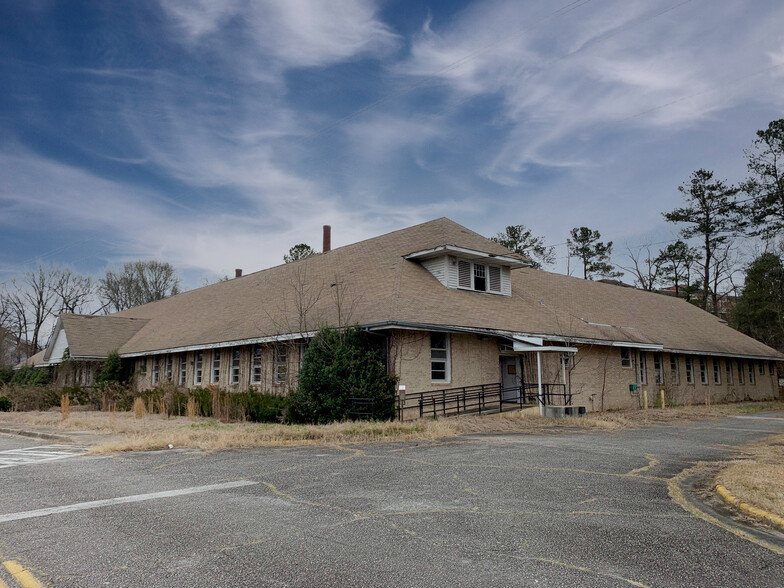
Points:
point(632, 387)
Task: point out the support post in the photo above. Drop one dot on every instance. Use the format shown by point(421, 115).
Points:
point(645, 399)
point(661, 393)
point(539, 381)
point(563, 375)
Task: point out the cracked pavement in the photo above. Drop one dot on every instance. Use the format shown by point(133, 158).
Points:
point(582, 508)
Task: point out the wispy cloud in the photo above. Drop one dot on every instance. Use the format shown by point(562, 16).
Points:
point(299, 33)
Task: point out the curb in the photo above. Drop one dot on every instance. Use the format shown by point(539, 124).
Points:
point(36, 434)
point(748, 509)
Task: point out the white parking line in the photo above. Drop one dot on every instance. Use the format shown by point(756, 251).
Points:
point(42, 512)
point(761, 418)
point(39, 454)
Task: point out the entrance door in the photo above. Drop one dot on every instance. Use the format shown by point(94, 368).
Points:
point(510, 379)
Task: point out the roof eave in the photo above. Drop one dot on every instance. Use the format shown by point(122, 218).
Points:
point(464, 252)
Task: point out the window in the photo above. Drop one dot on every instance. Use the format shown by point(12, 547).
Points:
point(478, 276)
point(235, 366)
point(142, 366)
point(215, 366)
point(716, 370)
point(675, 376)
point(642, 368)
point(689, 370)
point(626, 357)
point(728, 370)
point(740, 372)
point(751, 372)
point(439, 357)
point(155, 369)
point(183, 369)
point(281, 365)
point(169, 367)
point(761, 366)
point(197, 368)
point(770, 368)
point(703, 371)
point(657, 368)
point(255, 365)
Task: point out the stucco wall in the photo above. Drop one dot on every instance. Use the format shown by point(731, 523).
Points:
point(599, 381)
point(472, 360)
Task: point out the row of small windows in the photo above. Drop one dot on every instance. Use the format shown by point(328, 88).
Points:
point(732, 368)
point(279, 359)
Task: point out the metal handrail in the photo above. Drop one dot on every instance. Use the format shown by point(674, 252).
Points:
point(484, 397)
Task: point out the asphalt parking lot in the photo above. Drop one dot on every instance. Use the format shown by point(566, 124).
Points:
point(568, 509)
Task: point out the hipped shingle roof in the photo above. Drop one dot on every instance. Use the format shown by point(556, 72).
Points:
point(370, 283)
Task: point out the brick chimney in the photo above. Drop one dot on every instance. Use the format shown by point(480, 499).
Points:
point(238, 272)
point(327, 239)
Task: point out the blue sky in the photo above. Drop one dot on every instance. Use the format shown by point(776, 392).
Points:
point(216, 134)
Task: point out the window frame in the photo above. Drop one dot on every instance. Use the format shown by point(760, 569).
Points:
point(198, 368)
point(728, 371)
point(716, 371)
point(741, 375)
point(675, 369)
point(255, 364)
point(752, 378)
point(156, 369)
point(658, 369)
point(168, 369)
point(642, 368)
point(234, 374)
point(183, 369)
point(280, 363)
point(703, 370)
point(446, 360)
point(689, 369)
point(215, 366)
point(626, 358)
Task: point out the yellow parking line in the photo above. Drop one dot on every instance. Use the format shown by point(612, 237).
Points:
point(21, 575)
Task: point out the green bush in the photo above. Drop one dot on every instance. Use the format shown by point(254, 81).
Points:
point(259, 407)
point(338, 366)
point(6, 375)
point(25, 397)
point(5, 404)
point(111, 370)
point(77, 394)
point(203, 398)
point(29, 375)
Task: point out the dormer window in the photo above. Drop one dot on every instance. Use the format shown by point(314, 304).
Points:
point(468, 269)
point(478, 276)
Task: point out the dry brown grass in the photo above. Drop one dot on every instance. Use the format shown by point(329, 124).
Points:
point(214, 435)
point(139, 409)
point(65, 406)
point(758, 479)
point(125, 432)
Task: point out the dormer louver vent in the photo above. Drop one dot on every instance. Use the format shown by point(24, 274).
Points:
point(494, 274)
point(464, 274)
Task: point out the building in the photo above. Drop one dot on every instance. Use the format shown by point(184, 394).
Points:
point(452, 309)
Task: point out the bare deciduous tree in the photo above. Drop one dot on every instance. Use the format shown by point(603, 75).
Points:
point(644, 266)
point(73, 290)
point(139, 282)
